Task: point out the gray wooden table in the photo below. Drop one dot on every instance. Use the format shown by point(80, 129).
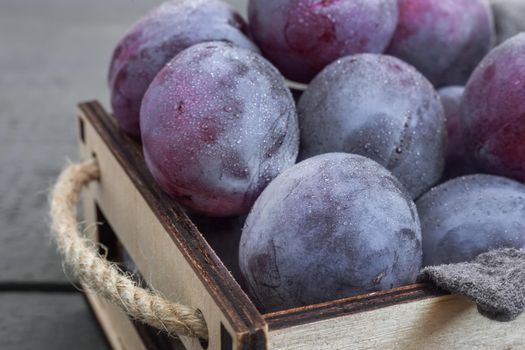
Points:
point(53, 54)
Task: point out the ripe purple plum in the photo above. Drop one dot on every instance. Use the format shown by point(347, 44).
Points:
point(330, 227)
point(379, 107)
point(470, 215)
point(155, 39)
point(301, 37)
point(444, 39)
point(493, 110)
point(457, 162)
point(218, 124)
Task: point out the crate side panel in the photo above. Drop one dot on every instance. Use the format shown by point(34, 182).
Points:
point(159, 259)
point(351, 305)
point(446, 322)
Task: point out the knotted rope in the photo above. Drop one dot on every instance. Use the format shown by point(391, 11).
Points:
point(103, 277)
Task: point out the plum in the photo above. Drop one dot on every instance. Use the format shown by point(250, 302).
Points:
point(301, 37)
point(470, 215)
point(218, 124)
point(156, 39)
point(379, 107)
point(493, 110)
point(330, 227)
point(457, 161)
point(444, 39)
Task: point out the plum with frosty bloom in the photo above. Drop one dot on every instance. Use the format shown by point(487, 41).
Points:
point(444, 39)
point(218, 124)
point(493, 110)
point(155, 39)
point(379, 107)
point(470, 215)
point(332, 226)
point(301, 37)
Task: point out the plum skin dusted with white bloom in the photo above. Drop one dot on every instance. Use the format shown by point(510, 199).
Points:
point(332, 226)
point(493, 111)
point(445, 39)
point(470, 215)
point(379, 107)
point(301, 37)
point(218, 124)
point(155, 39)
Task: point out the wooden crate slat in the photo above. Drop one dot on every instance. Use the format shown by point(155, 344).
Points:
point(348, 306)
point(440, 323)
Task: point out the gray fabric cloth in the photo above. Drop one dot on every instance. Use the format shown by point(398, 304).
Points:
point(495, 281)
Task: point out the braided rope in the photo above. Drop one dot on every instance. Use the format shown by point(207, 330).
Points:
point(104, 277)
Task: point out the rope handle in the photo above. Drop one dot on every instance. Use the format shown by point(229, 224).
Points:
point(103, 277)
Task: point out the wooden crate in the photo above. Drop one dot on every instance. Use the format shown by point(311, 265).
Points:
point(177, 260)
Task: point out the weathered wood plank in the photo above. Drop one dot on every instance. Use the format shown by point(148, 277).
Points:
point(446, 322)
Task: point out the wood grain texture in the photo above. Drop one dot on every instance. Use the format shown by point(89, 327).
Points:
point(446, 322)
point(348, 306)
